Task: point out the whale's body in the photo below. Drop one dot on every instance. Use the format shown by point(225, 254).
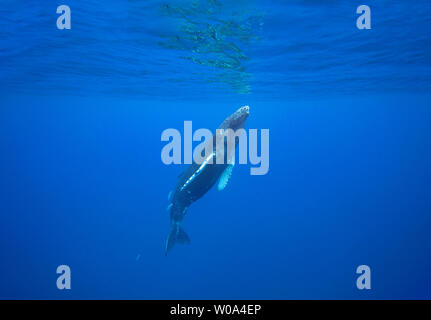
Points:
point(198, 178)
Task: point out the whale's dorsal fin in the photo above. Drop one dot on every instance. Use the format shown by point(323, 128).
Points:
point(224, 178)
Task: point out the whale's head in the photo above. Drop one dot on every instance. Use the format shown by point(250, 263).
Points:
point(237, 119)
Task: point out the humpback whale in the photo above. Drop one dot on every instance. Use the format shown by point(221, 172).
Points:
point(198, 178)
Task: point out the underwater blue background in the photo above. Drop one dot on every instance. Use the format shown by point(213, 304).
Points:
point(82, 182)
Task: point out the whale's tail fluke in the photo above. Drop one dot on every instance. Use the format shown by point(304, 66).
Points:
point(177, 235)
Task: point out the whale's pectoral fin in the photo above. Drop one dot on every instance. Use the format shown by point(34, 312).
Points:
point(224, 178)
point(169, 207)
point(177, 235)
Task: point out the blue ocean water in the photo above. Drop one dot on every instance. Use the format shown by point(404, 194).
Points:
point(82, 182)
